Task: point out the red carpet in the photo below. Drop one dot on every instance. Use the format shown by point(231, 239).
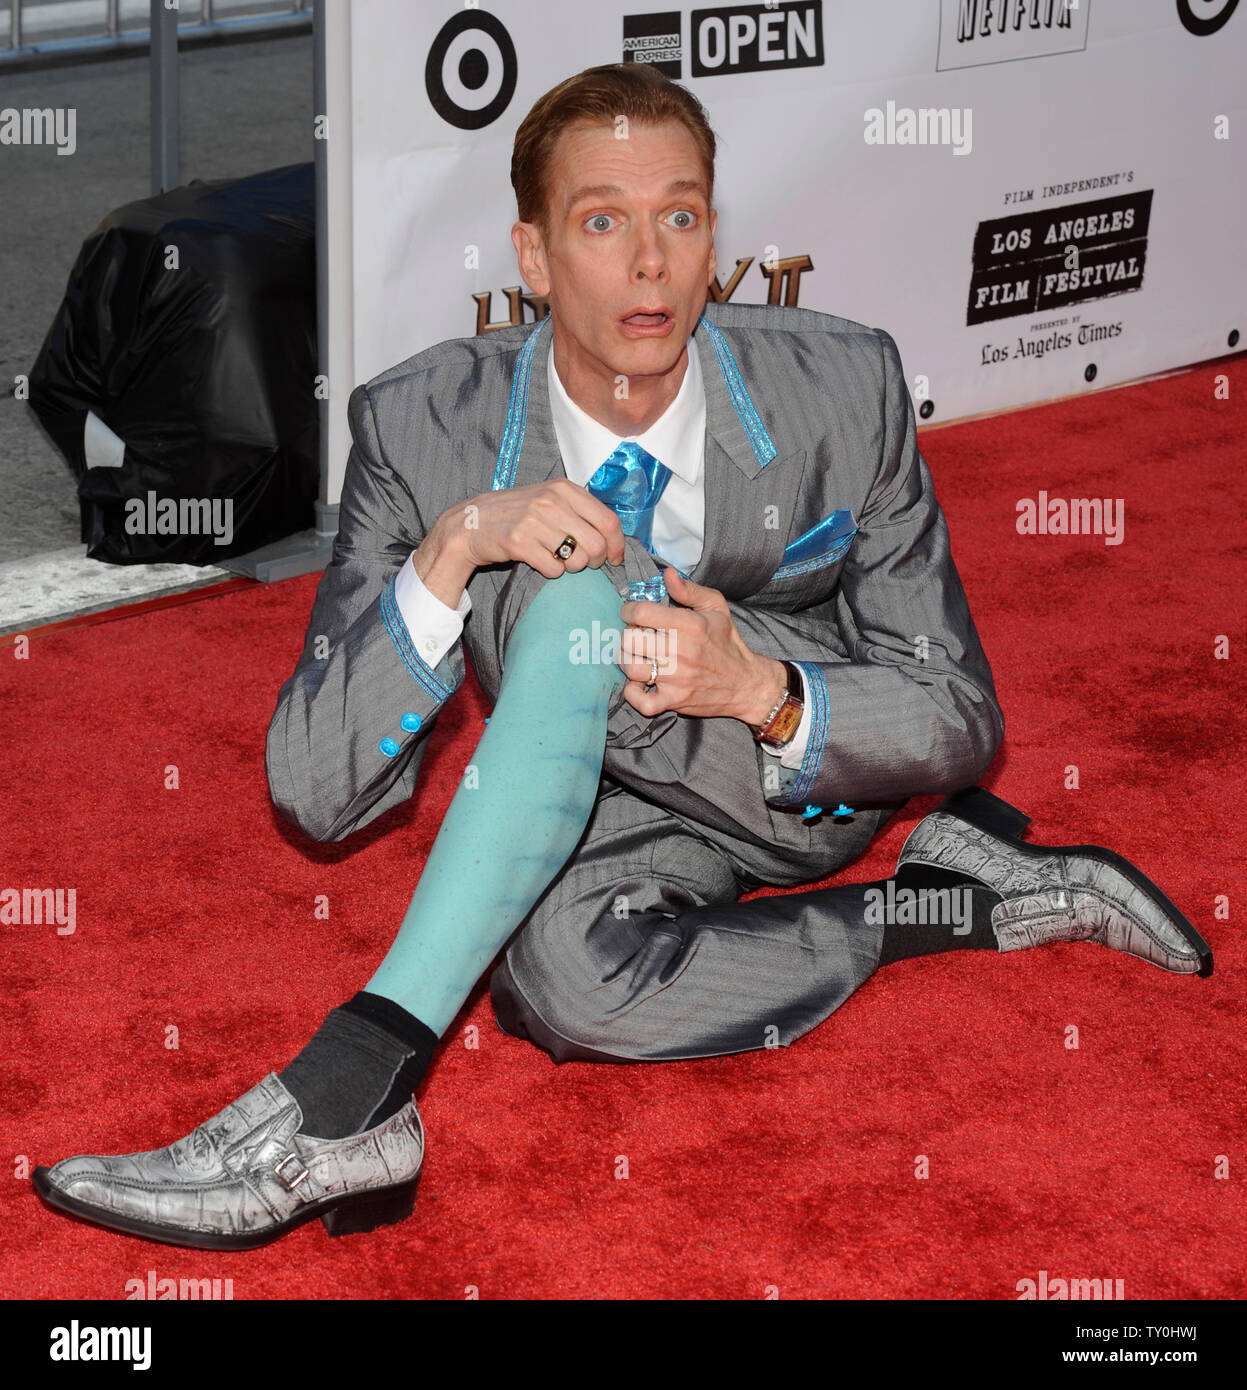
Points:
point(791, 1170)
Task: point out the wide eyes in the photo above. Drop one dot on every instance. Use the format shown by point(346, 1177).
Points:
point(682, 219)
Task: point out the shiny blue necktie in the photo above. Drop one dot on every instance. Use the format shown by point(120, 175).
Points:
point(630, 482)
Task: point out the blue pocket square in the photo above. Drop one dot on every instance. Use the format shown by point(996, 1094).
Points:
point(823, 544)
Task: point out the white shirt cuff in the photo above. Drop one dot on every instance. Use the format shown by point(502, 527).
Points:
point(433, 625)
point(795, 751)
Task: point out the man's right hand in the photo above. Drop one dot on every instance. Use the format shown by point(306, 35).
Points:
point(528, 523)
point(518, 524)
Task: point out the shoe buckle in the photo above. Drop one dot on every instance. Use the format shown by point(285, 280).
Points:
point(291, 1182)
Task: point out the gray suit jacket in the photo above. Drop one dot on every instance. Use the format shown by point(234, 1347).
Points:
point(822, 530)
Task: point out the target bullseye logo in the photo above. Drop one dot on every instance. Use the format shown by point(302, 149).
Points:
point(1204, 17)
point(471, 71)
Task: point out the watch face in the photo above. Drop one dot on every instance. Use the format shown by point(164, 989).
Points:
point(785, 724)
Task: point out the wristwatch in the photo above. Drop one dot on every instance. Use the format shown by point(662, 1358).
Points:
point(779, 727)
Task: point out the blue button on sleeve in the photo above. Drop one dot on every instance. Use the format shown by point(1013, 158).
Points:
point(411, 722)
point(388, 747)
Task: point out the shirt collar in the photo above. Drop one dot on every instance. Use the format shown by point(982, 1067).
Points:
point(677, 438)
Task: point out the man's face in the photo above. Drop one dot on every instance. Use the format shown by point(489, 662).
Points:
point(630, 227)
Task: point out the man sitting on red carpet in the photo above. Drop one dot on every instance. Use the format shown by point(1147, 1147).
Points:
point(758, 467)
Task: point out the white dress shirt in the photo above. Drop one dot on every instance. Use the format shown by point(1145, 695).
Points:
point(678, 439)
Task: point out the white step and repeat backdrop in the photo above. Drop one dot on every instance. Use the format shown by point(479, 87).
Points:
point(1029, 195)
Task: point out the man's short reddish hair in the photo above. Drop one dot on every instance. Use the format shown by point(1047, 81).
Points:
point(635, 90)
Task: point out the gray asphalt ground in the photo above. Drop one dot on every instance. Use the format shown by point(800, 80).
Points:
point(245, 107)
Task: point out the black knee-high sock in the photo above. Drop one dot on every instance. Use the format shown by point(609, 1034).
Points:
point(360, 1067)
point(902, 940)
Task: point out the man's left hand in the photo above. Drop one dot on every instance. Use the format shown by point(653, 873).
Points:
point(704, 667)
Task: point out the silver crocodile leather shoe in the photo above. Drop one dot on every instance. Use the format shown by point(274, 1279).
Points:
point(1054, 892)
point(246, 1177)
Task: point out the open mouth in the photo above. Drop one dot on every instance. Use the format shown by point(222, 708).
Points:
point(653, 320)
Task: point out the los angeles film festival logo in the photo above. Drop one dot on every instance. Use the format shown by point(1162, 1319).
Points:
point(1042, 261)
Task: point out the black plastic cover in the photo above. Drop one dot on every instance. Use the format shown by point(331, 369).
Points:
point(189, 328)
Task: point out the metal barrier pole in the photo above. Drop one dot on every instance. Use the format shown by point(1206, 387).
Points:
point(114, 23)
point(327, 500)
point(15, 24)
point(165, 111)
point(310, 551)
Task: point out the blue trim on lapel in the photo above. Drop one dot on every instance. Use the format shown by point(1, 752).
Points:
point(406, 648)
point(517, 412)
point(823, 544)
point(763, 446)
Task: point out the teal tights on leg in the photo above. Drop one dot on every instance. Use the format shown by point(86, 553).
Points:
point(538, 766)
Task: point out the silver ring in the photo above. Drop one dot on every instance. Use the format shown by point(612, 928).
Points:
point(565, 547)
point(652, 683)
